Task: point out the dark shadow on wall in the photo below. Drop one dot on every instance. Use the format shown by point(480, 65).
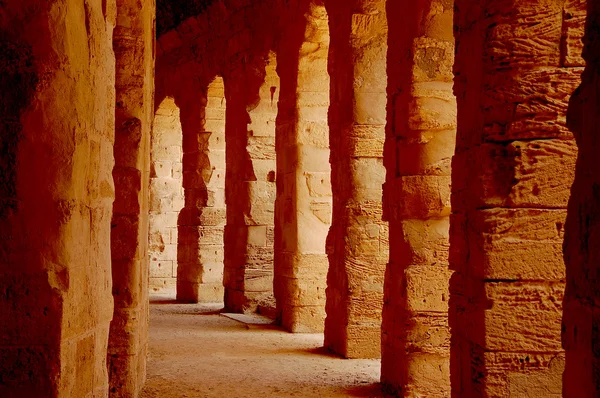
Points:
point(170, 13)
point(581, 305)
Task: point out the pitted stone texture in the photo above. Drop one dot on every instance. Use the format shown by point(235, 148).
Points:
point(580, 314)
point(512, 171)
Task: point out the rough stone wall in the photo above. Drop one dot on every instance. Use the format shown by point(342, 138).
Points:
point(57, 74)
point(421, 134)
point(166, 197)
point(358, 239)
point(303, 205)
point(516, 66)
point(133, 43)
point(582, 245)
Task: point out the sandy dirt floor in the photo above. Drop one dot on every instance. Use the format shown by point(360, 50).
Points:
point(197, 352)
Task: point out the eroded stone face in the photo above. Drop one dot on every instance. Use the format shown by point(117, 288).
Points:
point(515, 70)
point(581, 254)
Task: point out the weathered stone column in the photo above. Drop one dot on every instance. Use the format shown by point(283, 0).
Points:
point(516, 66)
point(421, 135)
point(303, 206)
point(358, 239)
point(200, 238)
point(56, 197)
point(166, 197)
point(133, 40)
point(258, 284)
point(249, 200)
point(580, 331)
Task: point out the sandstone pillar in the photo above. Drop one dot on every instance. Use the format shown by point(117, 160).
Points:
point(258, 285)
point(56, 195)
point(303, 205)
point(133, 40)
point(580, 332)
point(200, 238)
point(516, 66)
point(421, 134)
point(166, 197)
point(358, 238)
point(249, 194)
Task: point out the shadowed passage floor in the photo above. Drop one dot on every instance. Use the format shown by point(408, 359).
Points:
point(195, 351)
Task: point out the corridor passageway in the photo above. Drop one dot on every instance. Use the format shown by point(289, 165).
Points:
point(197, 352)
point(411, 189)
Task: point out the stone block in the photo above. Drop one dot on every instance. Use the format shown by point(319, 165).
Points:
point(162, 169)
point(257, 235)
point(534, 30)
point(364, 342)
point(427, 288)
point(161, 268)
point(520, 317)
point(535, 174)
point(517, 244)
point(425, 152)
point(306, 319)
point(417, 197)
point(432, 114)
point(511, 100)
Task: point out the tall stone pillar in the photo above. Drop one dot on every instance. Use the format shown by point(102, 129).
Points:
point(56, 197)
point(133, 39)
point(420, 142)
point(358, 239)
point(516, 66)
point(249, 195)
point(303, 205)
point(200, 236)
point(166, 197)
point(580, 331)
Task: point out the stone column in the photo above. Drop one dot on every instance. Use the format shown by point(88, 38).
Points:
point(515, 69)
point(580, 327)
point(133, 40)
point(166, 197)
point(358, 239)
point(258, 285)
point(420, 142)
point(56, 197)
point(303, 206)
point(200, 237)
point(245, 218)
